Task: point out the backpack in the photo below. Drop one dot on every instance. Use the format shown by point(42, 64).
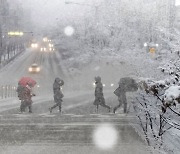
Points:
point(117, 92)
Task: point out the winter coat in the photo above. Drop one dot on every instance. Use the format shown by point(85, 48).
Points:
point(99, 101)
point(20, 90)
point(27, 94)
point(126, 84)
point(58, 96)
point(99, 90)
point(119, 91)
point(99, 97)
point(56, 86)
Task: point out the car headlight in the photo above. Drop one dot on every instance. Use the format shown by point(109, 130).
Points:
point(38, 69)
point(36, 45)
point(30, 69)
point(32, 45)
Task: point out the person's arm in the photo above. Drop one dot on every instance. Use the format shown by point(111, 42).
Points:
point(61, 94)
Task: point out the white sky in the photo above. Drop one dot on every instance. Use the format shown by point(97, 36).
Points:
point(177, 2)
point(49, 12)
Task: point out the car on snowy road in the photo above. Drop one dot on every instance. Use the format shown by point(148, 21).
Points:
point(34, 68)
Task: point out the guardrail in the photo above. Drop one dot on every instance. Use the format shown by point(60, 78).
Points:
point(7, 91)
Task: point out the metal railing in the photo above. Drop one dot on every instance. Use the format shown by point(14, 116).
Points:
point(7, 91)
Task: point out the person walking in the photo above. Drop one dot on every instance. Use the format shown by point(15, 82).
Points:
point(20, 90)
point(99, 97)
point(126, 84)
point(27, 97)
point(58, 95)
point(121, 94)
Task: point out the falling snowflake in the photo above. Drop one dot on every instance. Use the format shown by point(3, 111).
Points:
point(105, 136)
point(69, 30)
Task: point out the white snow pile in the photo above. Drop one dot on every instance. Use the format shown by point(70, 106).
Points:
point(172, 93)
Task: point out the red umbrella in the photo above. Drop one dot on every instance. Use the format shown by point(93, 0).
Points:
point(25, 80)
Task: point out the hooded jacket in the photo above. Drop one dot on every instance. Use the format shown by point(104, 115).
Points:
point(56, 85)
point(99, 89)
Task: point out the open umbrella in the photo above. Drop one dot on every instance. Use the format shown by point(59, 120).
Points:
point(128, 84)
point(25, 80)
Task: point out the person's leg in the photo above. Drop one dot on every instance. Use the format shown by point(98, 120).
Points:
point(59, 104)
point(30, 108)
point(54, 106)
point(118, 106)
point(106, 106)
point(125, 107)
point(22, 106)
point(103, 104)
point(124, 100)
point(97, 108)
point(96, 103)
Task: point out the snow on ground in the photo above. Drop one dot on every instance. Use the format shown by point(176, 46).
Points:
point(111, 65)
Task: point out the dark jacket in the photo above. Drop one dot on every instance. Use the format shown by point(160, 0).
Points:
point(20, 90)
point(56, 87)
point(99, 97)
point(58, 96)
point(99, 89)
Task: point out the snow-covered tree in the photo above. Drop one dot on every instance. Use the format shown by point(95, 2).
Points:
point(157, 104)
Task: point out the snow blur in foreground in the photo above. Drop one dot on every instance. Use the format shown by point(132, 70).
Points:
point(69, 30)
point(105, 136)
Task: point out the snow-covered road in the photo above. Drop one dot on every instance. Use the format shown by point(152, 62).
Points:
point(45, 133)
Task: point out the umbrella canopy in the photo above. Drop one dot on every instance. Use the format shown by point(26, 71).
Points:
point(129, 84)
point(27, 80)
